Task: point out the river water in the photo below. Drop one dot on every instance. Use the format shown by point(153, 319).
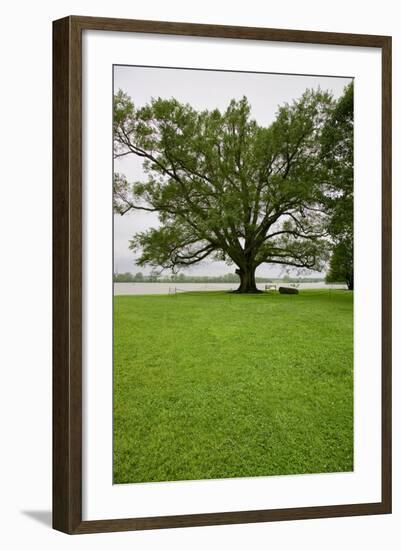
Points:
point(172, 288)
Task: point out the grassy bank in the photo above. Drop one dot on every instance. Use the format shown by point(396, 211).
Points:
point(213, 385)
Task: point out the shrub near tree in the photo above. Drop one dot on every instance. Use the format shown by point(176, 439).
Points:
point(224, 187)
point(341, 265)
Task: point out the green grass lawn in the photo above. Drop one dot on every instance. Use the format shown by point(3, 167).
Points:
point(219, 385)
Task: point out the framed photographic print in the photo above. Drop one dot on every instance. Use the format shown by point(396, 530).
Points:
point(222, 274)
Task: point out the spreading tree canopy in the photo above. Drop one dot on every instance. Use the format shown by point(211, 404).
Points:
point(225, 187)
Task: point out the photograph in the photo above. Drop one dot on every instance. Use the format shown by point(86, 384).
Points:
point(233, 321)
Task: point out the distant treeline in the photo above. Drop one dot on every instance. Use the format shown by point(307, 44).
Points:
point(227, 278)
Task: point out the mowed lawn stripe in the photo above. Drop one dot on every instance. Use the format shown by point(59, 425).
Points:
point(217, 385)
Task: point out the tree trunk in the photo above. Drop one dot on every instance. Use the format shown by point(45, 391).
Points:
point(247, 280)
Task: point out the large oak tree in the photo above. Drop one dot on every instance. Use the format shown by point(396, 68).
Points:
point(223, 186)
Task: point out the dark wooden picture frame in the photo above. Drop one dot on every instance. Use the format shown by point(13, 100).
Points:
point(67, 274)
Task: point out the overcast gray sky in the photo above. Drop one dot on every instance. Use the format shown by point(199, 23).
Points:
point(203, 89)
